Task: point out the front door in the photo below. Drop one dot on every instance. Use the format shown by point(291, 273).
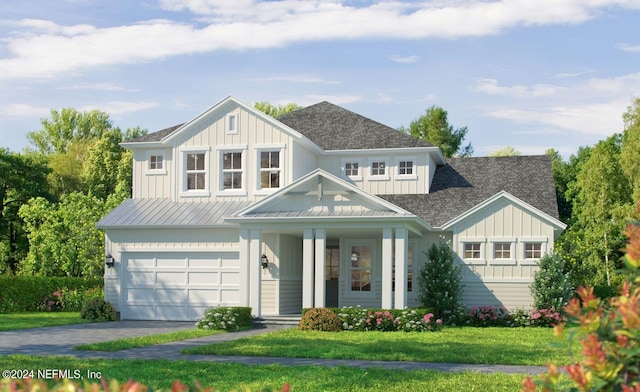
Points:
point(332, 274)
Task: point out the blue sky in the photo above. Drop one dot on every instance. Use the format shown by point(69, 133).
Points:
point(532, 74)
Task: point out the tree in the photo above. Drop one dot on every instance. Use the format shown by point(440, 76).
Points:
point(630, 152)
point(276, 111)
point(440, 282)
point(22, 176)
point(433, 127)
point(101, 168)
point(507, 151)
point(67, 126)
point(552, 287)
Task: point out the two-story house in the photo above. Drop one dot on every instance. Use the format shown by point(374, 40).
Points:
point(320, 207)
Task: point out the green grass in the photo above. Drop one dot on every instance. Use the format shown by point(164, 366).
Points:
point(229, 376)
point(149, 340)
point(512, 346)
point(13, 321)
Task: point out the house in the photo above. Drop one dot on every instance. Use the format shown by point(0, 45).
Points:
point(321, 207)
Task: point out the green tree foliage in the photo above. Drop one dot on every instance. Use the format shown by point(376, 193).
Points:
point(601, 202)
point(552, 287)
point(63, 238)
point(67, 126)
point(22, 176)
point(102, 167)
point(433, 127)
point(440, 282)
point(276, 111)
point(507, 151)
point(630, 153)
point(67, 168)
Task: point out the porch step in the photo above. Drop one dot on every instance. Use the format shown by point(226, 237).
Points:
point(293, 319)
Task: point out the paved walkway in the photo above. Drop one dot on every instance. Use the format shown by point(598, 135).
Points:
point(60, 341)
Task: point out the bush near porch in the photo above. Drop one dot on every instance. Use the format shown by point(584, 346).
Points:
point(33, 293)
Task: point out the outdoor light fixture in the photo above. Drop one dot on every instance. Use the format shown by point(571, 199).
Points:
point(264, 261)
point(355, 256)
point(109, 261)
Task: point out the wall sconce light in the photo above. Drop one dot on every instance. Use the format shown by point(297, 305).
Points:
point(109, 261)
point(264, 261)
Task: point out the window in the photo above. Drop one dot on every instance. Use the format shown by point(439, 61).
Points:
point(532, 250)
point(472, 251)
point(378, 168)
point(502, 250)
point(361, 257)
point(405, 168)
point(232, 170)
point(232, 123)
point(156, 162)
point(332, 263)
point(269, 169)
point(351, 169)
point(196, 172)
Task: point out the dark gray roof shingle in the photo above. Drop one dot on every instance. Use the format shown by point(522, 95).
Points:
point(463, 183)
point(155, 136)
point(334, 128)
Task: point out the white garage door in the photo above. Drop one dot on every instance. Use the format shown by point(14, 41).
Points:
point(178, 286)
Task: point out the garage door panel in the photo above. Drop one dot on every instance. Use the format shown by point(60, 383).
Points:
point(168, 286)
point(204, 278)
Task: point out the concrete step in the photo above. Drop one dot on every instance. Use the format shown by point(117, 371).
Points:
point(292, 320)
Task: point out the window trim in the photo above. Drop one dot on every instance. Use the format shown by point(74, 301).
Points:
point(379, 177)
point(227, 123)
point(511, 260)
point(471, 240)
point(281, 148)
point(220, 191)
point(154, 172)
point(343, 167)
point(184, 151)
point(413, 175)
point(543, 241)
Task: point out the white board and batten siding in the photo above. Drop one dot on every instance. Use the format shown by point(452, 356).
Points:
point(505, 282)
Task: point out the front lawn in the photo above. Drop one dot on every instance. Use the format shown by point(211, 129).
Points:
point(149, 340)
point(159, 374)
point(12, 321)
point(510, 346)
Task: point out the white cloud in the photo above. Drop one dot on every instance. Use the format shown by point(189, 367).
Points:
point(565, 75)
point(404, 59)
point(629, 48)
point(24, 110)
point(295, 79)
point(99, 86)
point(121, 107)
point(40, 48)
point(629, 84)
point(490, 86)
point(334, 99)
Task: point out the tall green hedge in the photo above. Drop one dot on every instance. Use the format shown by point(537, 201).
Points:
point(30, 293)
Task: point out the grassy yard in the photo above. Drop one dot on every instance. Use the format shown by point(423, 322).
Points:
point(12, 321)
point(228, 377)
point(512, 346)
point(149, 340)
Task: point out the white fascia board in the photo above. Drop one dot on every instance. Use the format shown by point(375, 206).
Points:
point(110, 227)
point(142, 145)
point(339, 222)
point(438, 157)
point(506, 195)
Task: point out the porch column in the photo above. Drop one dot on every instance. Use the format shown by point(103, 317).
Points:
point(401, 267)
point(243, 256)
point(255, 272)
point(320, 270)
point(307, 268)
point(387, 268)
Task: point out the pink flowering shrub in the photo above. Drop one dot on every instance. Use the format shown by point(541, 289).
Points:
point(412, 321)
point(408, 320)
point(545, 317)
point(488, 316)
point(380, 321)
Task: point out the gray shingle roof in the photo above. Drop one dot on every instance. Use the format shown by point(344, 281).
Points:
point(334, 128)
point(164, 212)
point(155, 136)
point(463, 183)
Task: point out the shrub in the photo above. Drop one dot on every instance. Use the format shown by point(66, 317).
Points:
point(352, 318)
point(225, 318)
point(545, 317)
point(489, 316)
point(440, 282)
point(552, 287)
point(99, 310)
point(320, 319)
point(610, 336)
point(33, 293)
point(413, 321)
point(520, 318)
point(380, 321)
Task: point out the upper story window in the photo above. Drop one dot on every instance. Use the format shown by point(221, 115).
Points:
point(405, 168)
point(472, 250)
point(532, 250)
point(379, 168)
point(232, 170)
point(501, 250)
point(196, 172)
point(269, 169)
point(156, 162)
point(231, 125)
point(352, 169)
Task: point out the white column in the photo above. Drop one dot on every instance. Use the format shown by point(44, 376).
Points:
point(401, 267)
point(320, 246)
point(255, 272)
point(307, 268)
point(387, 268)
point(243, 256)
